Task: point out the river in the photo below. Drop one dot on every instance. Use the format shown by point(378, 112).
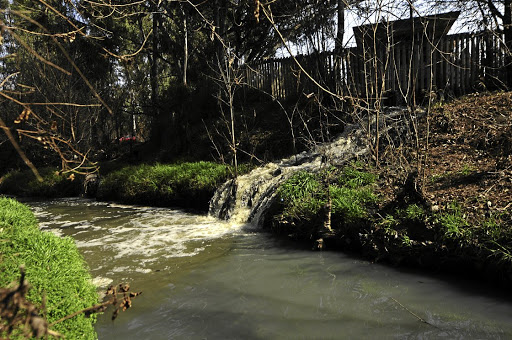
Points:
point(206, 279)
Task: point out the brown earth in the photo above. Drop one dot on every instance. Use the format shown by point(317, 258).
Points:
point(470, 155)
point(468, 158)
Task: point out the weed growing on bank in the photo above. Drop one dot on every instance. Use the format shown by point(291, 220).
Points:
point(189, 185)
point(54, 268)
point(347, 194)
point(339, 208)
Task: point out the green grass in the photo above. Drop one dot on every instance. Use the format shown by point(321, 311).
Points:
point(353, 178)
point(453, 222)
point(305, 195)
point(184, 184)
point(302, 195)
point(54, 269)
point(24, 183)
point(414, 212)
point(463, 173)
point(351, 202)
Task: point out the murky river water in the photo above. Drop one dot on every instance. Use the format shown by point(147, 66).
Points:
point(205, 279)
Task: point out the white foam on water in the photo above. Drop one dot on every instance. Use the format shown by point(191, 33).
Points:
point(131, 238)
point(162, 235)
point(101, 282)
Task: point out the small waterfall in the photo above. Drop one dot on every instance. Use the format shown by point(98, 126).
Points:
point(246, 198)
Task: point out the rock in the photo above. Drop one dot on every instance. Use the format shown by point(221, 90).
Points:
point(91, 184)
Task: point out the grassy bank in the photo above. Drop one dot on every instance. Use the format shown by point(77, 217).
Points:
point(312, 204)
point(340, 209)
point(187, 185)
point(452, 213)
point(54, 269)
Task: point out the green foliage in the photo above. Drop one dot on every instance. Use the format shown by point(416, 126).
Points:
point(24, 183)
point(414, 212)
point(351, 202)
point(299, 186)
point(406, 241)
point(466, 170)
point(54, 269)
point(302, 195)
point(389, 222)
point(353, 178)
point(453, 222)
point(163, 184)
point(491, 228)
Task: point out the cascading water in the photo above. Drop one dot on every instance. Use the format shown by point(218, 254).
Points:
point(246, 198)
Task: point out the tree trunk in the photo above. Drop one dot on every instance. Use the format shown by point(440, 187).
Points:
point(341, 26)
point(159, 124)
point(154, 67)
point(338, 48)
point(507, 29)
point(185, 45)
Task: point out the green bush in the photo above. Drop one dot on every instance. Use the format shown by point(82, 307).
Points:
point(184, 184)
point(54, 269)
point(24, 183)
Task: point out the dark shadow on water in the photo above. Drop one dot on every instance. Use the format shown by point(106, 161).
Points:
point(461, 278)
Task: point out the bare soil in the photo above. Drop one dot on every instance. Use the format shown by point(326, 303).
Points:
point(469, 158)
point(466, 157)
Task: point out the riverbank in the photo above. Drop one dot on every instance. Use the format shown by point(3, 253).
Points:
point(56, 272)
point(443, 206)
point(451, 214)
point(188, 185)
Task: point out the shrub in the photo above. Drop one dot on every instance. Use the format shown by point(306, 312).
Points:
point(54, 269)
point(24, 183)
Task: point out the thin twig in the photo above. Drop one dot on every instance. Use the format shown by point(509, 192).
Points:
point(413, 314)
point(15, 144)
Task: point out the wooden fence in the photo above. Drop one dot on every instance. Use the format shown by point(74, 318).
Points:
point(452, 65)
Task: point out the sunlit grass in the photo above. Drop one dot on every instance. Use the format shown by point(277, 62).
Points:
point(164, 184)
point(304, 195)
point(54, 268)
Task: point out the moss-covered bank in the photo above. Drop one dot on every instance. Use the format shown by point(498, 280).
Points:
point(54, 268)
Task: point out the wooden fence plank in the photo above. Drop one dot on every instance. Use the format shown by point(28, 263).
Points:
point(457, 63)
